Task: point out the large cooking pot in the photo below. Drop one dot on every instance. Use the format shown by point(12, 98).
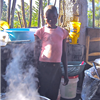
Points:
point(2, 96)
point(44, 98)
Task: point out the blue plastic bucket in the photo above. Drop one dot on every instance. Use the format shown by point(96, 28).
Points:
point(21, 33)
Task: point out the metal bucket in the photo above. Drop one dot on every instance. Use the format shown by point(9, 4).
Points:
point(44, 98)
point(3, 97)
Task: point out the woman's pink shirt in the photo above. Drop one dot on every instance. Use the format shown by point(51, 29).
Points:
point(52, 40)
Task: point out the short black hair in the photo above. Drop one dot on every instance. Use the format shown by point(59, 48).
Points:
point(50, 8)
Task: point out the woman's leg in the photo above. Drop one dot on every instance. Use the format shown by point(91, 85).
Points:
point(49, 79)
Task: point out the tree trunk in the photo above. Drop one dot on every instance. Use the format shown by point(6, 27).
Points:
point(30, 13)
point(12, 13)
point(19, 19)
point(8, 11)
point(63, 15)
point(39, 14)
point(55, 3)
point(59, 12)
point(48, 2)
point(23, 13)
point(1, 6)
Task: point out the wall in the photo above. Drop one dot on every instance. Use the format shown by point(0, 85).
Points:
point(75, 52)
point(83, 20)
point(5, 57)
point(94, 46)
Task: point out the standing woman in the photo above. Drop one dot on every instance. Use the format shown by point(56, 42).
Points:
point(53, 52)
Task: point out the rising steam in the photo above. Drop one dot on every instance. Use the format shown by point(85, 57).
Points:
point(21, 74)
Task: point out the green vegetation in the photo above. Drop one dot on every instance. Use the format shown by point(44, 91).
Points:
point(97, 13)
point(35, 8)
point(4, 12)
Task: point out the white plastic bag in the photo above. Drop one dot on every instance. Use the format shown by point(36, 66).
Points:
point(90, 84)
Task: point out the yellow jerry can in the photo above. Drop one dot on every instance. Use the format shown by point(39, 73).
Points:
point(4, 25)
point(74, 32)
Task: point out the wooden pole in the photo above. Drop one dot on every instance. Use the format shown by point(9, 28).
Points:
point(93, 5)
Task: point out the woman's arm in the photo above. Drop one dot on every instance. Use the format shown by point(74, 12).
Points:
point(64, 61)
point(37, 49)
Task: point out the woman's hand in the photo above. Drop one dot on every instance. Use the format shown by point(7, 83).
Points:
point(66, 80)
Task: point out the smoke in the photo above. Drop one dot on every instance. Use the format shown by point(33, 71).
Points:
point(21, 74)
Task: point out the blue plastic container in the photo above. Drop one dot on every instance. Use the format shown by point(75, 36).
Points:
point(21, 33)
point(74, 68)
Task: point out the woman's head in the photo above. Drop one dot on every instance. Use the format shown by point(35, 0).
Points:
point(50, 15)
